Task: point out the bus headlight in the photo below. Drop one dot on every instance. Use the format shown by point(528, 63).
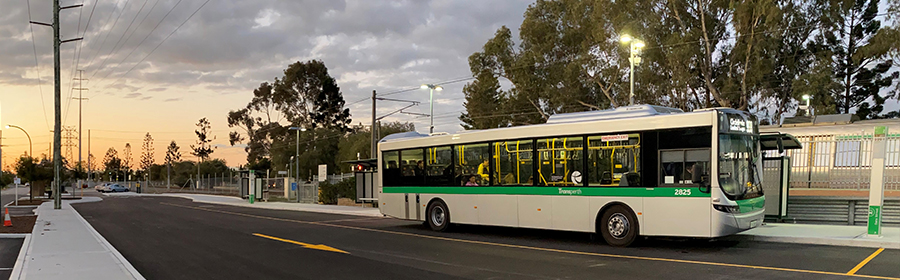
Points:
point(727, 208)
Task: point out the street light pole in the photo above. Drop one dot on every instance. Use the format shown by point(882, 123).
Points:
point(30, 147)
point(431, 88)
point(807, 97)
point(297, 158)
point(633, 46)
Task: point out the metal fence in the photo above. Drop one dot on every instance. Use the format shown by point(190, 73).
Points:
point(841, 162)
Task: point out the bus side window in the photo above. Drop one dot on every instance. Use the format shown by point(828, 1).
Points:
point(512, 163)
point(439, 165)
point(472, 165)
point(391, 176)
point(676, 166)
point(561, 161)
point(614, 160)
point(412, 167)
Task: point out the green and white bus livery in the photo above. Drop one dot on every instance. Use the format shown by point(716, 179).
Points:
point(621, 173)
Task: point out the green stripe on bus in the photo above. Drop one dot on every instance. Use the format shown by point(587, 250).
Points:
point(559, 191)
point(753, 204)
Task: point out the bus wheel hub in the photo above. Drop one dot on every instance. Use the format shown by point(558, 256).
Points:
point(618, 225)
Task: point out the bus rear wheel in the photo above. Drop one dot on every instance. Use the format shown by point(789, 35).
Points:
point(618, 226)
point(438, 216)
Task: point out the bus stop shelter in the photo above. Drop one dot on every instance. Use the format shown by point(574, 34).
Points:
point(776, 171)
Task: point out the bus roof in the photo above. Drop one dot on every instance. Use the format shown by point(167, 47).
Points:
point(641, 117)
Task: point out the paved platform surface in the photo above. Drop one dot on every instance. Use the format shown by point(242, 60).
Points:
point(824, 235)
point(65, 246)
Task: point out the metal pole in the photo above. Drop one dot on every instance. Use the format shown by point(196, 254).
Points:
point(431, 104)
point(296, 163)
point(90, 167)
point(631, 73)
point(372, 130)
point(30, 146)
point(57, 126)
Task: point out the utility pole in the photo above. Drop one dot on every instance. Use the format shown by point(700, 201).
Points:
point(57, 160)
point(374, 152)
point(80, 89)
point(90, 166)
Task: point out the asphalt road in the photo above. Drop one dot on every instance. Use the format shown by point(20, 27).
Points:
point(9, 251)
point(9, 194)
point(171, 238)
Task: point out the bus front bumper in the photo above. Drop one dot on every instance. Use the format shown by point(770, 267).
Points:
point(732, 223)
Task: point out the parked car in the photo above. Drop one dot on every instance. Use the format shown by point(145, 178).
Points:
point(116, 188)
point(101, 187)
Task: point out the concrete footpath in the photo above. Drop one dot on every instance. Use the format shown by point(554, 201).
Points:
point(63, 245)
point(854, 236)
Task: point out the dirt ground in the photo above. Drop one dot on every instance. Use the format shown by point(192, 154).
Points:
point(36, 201)
point(22, 224)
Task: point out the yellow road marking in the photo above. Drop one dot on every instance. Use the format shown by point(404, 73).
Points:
point(864, 262)
point(322, 247)
point(535, 248)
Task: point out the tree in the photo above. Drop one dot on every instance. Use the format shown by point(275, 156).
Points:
point(305, 96)
point(147, 154)
point(310, 97)
point(127, 161)
point(34, 171)
point(112, 162)
point(853, 58)
point(203, 148)
point(172, 156)
point(483, 96)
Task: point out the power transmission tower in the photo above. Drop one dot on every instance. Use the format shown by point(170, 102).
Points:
point(70, 143)
point(57, 159)
point(80, 89)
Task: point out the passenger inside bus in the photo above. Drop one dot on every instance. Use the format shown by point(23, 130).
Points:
point(473, 181)
point(483, 169)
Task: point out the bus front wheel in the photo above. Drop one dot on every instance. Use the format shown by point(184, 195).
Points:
point(618, 226)
point(438, 216)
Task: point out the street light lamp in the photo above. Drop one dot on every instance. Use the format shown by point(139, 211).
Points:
point(634, 46)
point(30, 147)
point(807, 97)
point(431, 88)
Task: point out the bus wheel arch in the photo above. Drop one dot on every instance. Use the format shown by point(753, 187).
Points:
point(437, 215)
point(617, 223)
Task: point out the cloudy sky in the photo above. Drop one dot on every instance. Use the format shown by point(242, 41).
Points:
point(138, 81)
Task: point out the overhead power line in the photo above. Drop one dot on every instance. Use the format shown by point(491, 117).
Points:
point(37, 66)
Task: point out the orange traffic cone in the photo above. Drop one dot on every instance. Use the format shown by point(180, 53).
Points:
point(7, 222)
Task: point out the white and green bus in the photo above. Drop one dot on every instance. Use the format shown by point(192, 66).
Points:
point(622, 173)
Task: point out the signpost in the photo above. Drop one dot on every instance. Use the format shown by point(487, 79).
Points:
point(323, 172)
point(252, 187)
point(876, 182)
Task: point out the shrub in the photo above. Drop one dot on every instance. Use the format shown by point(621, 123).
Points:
point(329, 193)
